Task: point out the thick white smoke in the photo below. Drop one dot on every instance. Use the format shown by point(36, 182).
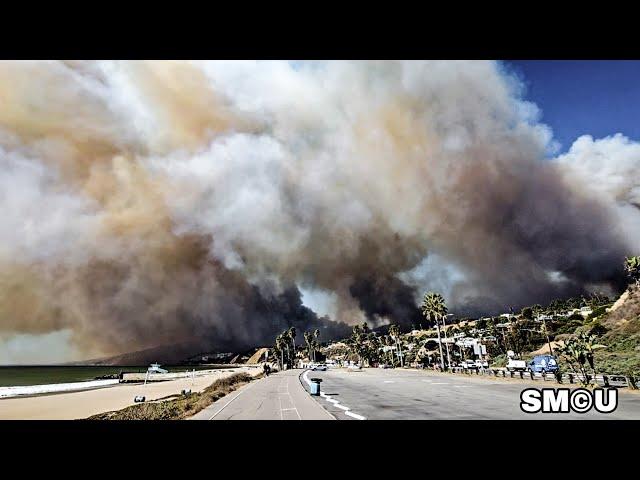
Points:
point(151, 202)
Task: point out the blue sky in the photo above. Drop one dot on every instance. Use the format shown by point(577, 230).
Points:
point(598, 98)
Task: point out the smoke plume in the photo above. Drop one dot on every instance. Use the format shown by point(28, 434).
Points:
point(149, 203)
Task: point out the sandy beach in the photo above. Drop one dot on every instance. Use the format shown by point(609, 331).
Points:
point(78, 405)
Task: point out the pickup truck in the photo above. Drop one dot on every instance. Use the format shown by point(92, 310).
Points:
point(516, 365)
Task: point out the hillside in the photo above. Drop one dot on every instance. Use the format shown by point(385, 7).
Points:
point(164, 354)
point(622, 338)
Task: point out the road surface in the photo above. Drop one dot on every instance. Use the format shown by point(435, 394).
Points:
point(396, 394)
point(280, 396)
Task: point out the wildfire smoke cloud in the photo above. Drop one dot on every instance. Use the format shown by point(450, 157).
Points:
point(146, 203)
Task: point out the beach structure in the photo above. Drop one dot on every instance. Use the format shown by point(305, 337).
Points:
point(155, 368)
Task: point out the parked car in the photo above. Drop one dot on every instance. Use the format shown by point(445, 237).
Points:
point(383, 365)
point(320, 367)
point(469, 364)
point(543, 364)
point(516, 365)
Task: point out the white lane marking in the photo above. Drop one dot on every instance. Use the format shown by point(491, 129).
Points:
point(322, 394)
point(227, 404)
point(285, 381)
point(306, 378)
point(389, 381)
point(461, 386)
point(335, 402)
point(428, 381)
point(355, 415)
point(439, 383)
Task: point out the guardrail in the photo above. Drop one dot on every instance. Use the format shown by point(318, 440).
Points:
point(604, 380)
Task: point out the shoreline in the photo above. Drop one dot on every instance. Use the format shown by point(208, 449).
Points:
point(81, 404)
point(79, 388)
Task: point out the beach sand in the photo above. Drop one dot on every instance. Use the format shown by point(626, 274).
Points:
point(77, 405)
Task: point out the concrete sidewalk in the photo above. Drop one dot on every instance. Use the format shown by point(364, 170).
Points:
point(280, 396)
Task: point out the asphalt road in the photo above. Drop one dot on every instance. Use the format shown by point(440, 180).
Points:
point(379, 394)
point(280, 396)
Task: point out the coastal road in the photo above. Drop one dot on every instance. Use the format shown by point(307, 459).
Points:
point(396, 394)
point(280, 396)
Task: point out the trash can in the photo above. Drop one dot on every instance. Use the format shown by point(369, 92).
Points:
point(315, 386)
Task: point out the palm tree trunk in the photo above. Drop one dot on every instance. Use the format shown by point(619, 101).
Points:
point(440, 344)
point(446, 344)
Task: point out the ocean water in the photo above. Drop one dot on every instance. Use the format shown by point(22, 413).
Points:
point(13, 376)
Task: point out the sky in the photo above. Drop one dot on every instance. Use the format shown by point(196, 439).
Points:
point(599, 98)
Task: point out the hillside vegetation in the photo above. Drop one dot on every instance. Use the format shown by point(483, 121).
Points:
point(622, 337)
point(180, 407)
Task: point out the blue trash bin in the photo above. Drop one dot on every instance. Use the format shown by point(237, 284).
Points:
point(315, 386)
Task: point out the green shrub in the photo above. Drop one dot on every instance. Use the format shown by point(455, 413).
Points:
point(597, 312)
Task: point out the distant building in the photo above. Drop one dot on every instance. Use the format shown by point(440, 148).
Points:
point(586, 311)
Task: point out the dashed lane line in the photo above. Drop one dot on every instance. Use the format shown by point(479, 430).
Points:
point(355, 415)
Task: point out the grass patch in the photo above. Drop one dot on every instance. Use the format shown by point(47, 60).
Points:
point(181, 407)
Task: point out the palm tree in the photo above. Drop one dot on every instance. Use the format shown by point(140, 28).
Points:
point(291, 334)
point(316, 344)
point(434, 308)
point(308, 339)
point(279, 349)
point(355, 342)
point(394, 332)
point(579, 353)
